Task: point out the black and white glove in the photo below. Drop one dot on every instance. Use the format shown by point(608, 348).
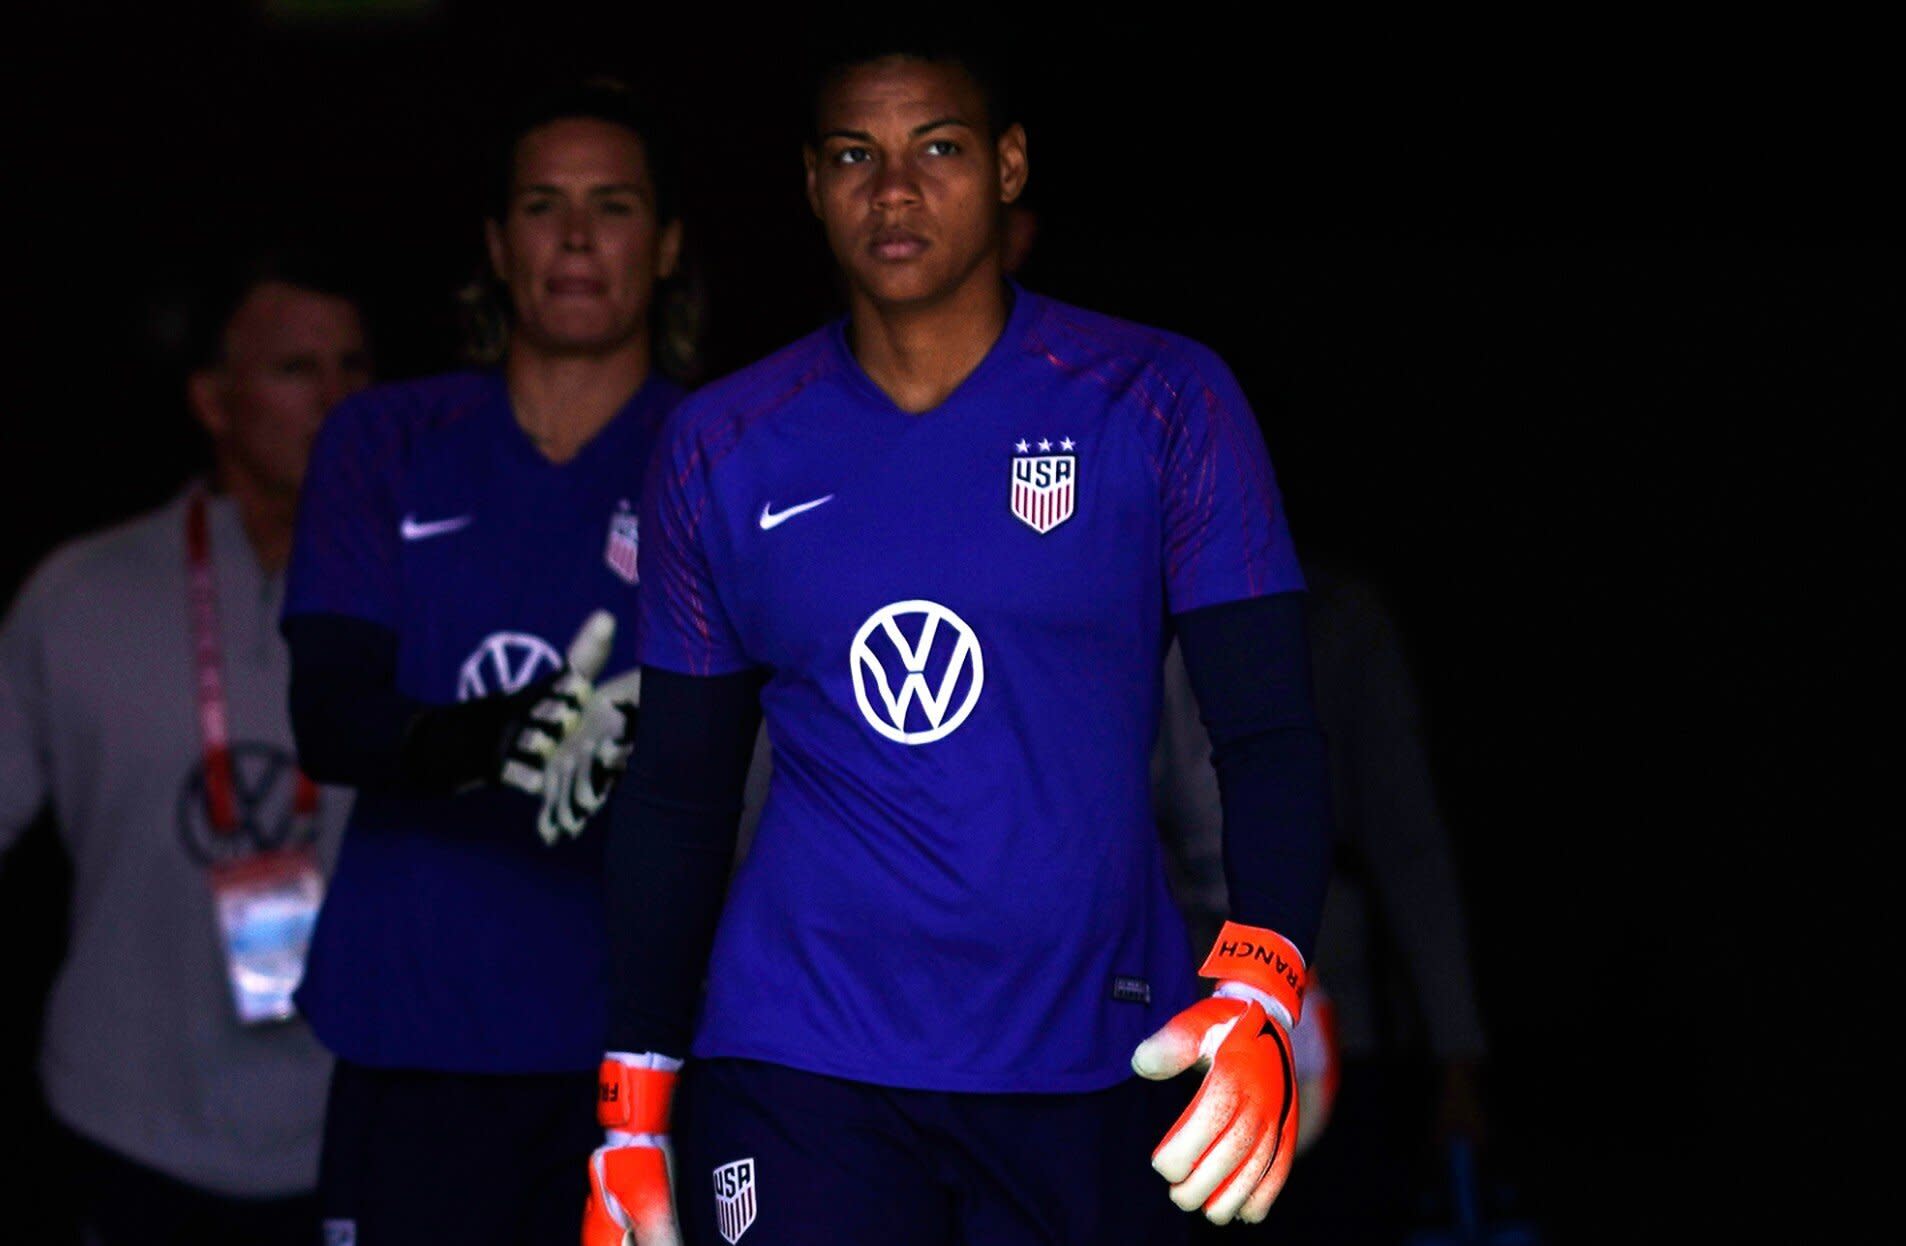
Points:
point(585, 766)
point(506, 738)
point(553, 710)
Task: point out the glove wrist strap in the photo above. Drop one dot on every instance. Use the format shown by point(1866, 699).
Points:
point(1273, 1007)
point(632, 1100)
point(1261, 959)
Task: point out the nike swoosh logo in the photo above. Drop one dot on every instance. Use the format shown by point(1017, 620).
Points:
point(414, 531)
point(770, 519)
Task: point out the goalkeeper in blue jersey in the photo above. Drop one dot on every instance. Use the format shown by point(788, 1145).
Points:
point(465, 547)
point(941, 546)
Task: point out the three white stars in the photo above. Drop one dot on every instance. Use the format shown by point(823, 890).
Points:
point(1022, 445)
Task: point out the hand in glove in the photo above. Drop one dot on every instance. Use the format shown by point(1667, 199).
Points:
point(1231, 1149)
point(578, 776)
point(532, 736)
point(630, 1203)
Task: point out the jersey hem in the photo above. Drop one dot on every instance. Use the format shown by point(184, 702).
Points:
point(924, 1079)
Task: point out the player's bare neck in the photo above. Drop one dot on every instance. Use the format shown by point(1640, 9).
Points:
point(561, 401)
point(918, 354)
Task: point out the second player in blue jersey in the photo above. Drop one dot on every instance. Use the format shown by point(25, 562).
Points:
point(456, 532)
point(944, 543)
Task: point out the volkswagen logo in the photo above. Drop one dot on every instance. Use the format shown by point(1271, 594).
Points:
point(883, 653)
point(506, 662)
point(264, 785)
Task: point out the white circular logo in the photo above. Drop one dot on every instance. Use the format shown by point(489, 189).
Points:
point(872, 661)
point(506, 662)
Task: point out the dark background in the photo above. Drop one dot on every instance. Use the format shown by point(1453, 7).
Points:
point(1580, 342)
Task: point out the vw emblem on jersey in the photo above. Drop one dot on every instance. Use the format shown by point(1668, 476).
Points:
point(624, 542)
point(932, 654)
point(506, 662)
point(734, 1199)
point(264, 787)
point(1045, 486)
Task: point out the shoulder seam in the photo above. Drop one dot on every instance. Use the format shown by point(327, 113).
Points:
point(1147, 369)
point(742, 420)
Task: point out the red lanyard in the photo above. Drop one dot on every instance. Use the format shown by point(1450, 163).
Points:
point(221, 791)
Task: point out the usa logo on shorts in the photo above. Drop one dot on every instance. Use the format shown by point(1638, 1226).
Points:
point(1045, 486)
point(734, 1199)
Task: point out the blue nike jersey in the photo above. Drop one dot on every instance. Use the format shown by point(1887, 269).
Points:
point(956, 883)
point(451, 937)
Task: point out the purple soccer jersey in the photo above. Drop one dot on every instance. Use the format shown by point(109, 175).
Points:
point(451, 937)
point(956, 883)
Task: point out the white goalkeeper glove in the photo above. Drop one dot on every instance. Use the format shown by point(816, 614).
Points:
point(532, 739)
point(577, 779)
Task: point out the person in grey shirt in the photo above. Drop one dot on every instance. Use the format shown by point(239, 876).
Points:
point(142, 700)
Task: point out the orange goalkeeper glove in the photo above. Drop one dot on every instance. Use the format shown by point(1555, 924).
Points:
point(630, 1203)
point(1232, 1147)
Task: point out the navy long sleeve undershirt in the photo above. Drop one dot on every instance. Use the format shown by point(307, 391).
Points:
point(1249, 666)
point(673, 820)
point(346, 714)
point(354, 727)
point(673, 824)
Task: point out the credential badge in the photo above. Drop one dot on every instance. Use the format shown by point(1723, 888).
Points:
point(1045, 485)
point(624, 542)
point(734, 1199)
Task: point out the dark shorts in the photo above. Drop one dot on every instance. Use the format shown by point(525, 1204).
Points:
point(772, 1156)
point(472, 1158)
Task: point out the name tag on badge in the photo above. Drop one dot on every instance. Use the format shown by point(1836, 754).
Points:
point(267, 905)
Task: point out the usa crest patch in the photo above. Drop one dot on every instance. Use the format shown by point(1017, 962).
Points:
point(624, 543)
point(734, 1199)
point(1045, 486)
